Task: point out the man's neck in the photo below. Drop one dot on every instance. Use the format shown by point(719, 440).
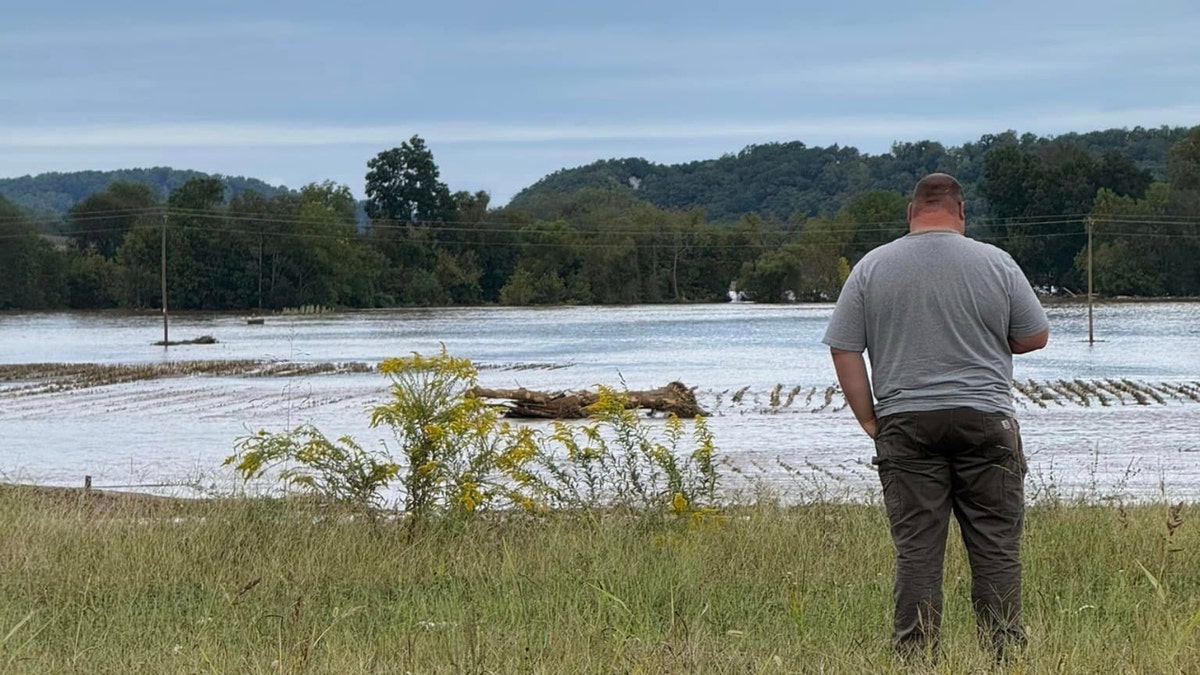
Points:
point(936, 226)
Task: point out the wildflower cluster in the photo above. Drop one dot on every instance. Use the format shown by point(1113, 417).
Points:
point(453, 454)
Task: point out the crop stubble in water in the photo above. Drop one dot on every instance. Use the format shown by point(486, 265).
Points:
point(106, 403)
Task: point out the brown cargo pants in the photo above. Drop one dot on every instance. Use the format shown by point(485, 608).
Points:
point(969, 462)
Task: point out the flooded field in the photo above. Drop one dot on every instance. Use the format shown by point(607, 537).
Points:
point(88, 394)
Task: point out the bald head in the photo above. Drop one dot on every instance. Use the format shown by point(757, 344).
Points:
point(937, 204)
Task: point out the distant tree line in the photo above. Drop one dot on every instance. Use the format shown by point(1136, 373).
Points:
point(785, 180)
point(53, 194)
point(427, 245)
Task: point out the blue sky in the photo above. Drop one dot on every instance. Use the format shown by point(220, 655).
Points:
point(505, 92)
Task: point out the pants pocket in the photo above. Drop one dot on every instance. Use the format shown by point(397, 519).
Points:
point(1007, 477)
point(893, 500)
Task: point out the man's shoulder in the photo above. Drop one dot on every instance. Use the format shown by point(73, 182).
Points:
point(906, 246)
point(991, 252)
point(905, 252)
point(883, 252)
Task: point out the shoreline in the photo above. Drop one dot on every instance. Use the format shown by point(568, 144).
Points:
point(284, 313)
point(108, 501)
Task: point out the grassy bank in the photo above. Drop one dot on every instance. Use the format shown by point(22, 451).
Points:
point(258, 586)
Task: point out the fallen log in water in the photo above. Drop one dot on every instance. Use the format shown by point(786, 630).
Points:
point(523, 403)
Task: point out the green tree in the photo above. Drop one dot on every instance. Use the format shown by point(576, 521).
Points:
point(1120, 270)
point(520, 288)
point(773, 276)
point(1043, 194)
point(490, 237)
point(93, 281)
point(406, 201)
point(808, 267)
point(348, 269)
point(138, 259)
point(1183, 169)
point(100, 222)
point(210, 265)
point(403, 186)
point(875, 218)
point(34, 273)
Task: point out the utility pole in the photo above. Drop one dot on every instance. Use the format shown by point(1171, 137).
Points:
point(1091, 330)
point(260, 270)
point(163, 276)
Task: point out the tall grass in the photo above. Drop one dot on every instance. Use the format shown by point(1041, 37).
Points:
point(94, 585)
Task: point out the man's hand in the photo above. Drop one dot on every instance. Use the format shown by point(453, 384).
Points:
point(870, 426)
point(852, 375)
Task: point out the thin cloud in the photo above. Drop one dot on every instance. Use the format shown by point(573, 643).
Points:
point(845, 129)
point(871, 76)
point(73, 89)
point(109, 34)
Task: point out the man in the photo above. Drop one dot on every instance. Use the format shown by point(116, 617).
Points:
point(940, 316)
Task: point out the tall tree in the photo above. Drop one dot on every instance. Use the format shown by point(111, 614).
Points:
point(99, 222)
point(345, 270)
point(1131, 256)
point(1183, 170)
point(403, 186)
point(405, 201)
point(211, 264)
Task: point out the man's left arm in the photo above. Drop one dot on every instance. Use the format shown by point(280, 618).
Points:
point(1028, 327)
point(856, 385)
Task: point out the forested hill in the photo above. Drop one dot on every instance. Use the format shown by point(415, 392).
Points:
point(55, 193)
point(781, 180)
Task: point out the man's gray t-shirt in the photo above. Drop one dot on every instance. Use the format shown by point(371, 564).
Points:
point(934, 310)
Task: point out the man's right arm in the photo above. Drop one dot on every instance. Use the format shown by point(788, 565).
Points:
point(852, 375)
point(846, 336)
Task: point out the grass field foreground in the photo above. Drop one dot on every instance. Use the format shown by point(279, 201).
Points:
point(99, 583)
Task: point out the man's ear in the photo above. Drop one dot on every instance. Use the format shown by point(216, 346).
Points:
point(962, 211)
point(909, 212)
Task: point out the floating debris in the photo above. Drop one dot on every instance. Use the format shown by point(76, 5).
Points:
point(305, 310)
point(202, 340)
point(675, 398)
point(524, 366)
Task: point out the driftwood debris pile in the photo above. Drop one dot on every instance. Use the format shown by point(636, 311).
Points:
point(522, 403)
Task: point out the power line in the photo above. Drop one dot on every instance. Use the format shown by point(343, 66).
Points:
point(491, 226)
point(795, 237)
